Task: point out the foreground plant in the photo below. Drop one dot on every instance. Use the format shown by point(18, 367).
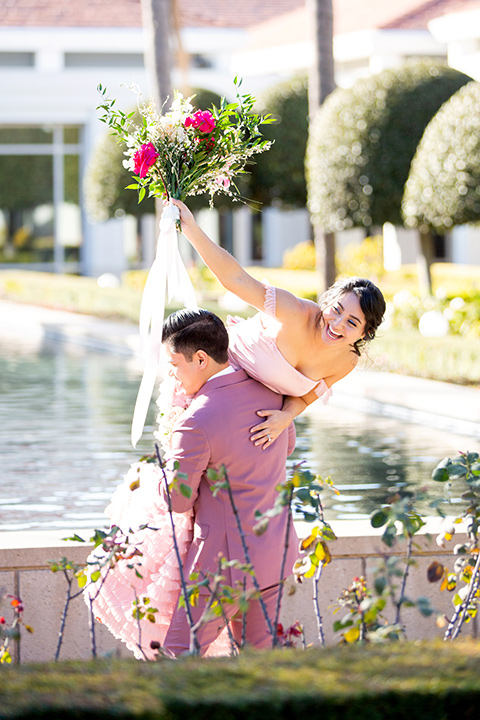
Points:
point(11, 631)
point(463, 475)
point(314, 551)
point(366, 619)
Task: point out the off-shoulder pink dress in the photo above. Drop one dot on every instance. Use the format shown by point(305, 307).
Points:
point(154, 573)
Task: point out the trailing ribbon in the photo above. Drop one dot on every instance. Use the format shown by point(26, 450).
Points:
point(167, 275)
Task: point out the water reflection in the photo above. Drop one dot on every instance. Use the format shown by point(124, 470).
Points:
point(65, 442)
point(370, 458)
point(64, 435)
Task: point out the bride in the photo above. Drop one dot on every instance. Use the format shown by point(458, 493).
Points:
point(296, 347)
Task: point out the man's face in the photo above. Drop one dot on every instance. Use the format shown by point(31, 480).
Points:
point(189, 373)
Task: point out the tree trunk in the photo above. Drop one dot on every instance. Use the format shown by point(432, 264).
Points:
point(157, 23)
point(321, 82)
point(424, 263)
point(157, 19)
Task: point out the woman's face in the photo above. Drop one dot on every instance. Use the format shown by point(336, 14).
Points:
point(344, 321)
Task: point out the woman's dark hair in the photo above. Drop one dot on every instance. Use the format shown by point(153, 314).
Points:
point(187, 331)
point(372, 304)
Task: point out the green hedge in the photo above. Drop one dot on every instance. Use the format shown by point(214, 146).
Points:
point(431, 681)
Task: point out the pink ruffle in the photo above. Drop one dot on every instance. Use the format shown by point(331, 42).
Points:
point(323, 391)
point(270, 302)
point(114, 592)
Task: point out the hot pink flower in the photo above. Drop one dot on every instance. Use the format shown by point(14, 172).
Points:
point(144, 158)
point(202, 120)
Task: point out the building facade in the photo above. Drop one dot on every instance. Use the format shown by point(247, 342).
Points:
point(54, 53)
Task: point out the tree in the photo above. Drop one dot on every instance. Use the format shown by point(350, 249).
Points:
point(278, 176)
point(157, 23)
point(321, 84)
point(157, 20)
point(443, 186)
point(363, 140)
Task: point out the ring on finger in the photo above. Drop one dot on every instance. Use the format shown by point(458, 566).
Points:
point(269, 438)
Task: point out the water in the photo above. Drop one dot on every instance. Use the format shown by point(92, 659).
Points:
point(65, 422)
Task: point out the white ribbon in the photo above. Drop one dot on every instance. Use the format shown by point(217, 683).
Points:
point(167, 274)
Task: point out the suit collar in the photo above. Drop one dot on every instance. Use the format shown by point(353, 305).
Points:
point(219, 381)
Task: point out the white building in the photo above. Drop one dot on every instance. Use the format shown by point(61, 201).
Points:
point(53, 54)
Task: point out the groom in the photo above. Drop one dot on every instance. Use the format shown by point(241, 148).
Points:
point(214, 431)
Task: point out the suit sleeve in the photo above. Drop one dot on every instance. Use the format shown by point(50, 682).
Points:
point(191, 449)
point(291, 438)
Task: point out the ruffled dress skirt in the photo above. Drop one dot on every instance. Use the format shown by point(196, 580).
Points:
point(144, 574)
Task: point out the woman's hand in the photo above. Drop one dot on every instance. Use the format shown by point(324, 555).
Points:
point(186, 216)
point(266, 432)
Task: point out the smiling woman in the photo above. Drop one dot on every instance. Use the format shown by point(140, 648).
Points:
point(296, 347)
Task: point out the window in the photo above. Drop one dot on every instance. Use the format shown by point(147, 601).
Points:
point(17, 59)
point(40, 218)
point(99, 60)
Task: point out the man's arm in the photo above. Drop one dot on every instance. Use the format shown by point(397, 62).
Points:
point(190, 448)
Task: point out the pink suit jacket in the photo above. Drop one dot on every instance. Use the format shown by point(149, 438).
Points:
point(214, 431)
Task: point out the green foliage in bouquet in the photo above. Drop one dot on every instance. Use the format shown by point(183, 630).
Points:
point(184, 151)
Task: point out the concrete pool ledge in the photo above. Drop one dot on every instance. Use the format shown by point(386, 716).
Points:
point(24, 570)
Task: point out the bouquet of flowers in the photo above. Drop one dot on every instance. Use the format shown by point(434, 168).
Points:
point(185, 151)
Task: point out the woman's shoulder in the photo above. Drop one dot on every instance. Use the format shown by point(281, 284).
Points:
point(292, 309)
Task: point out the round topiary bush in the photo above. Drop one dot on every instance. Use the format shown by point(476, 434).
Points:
point(278, 176)
point(443, 188)
point(363, 139)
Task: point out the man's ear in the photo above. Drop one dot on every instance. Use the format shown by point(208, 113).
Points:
point(202, 358)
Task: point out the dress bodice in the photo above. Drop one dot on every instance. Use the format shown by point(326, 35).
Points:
point(253, 347)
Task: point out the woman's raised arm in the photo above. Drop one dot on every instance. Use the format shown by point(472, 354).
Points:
point(227, 270)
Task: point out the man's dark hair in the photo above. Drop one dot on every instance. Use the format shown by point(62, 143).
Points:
point(187, 331)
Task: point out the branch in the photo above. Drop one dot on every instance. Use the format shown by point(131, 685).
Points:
point(247, 554)
point(282, 567)
point(194, 646)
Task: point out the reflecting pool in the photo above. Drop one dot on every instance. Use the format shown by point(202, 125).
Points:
point(65, 422)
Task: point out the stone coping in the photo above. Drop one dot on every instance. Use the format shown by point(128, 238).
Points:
point(19, 540)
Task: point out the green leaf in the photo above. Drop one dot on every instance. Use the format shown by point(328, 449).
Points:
point(440, 474)
point(74, 538)
point(389, 535)
point(379, 518)
point(380, 585)
point(186, 490)
point(96, 575)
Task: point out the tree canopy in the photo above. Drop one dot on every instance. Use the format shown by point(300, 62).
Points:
point(363, 139)
point(278, 176)
point(443, 188)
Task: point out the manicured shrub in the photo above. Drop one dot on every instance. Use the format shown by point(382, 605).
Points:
point(443, 188)
point(278, 176)
point(363, 140)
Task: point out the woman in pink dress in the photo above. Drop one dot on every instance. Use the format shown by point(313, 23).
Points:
point(296, 347)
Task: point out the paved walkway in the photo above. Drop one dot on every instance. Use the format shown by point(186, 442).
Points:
point(411, 399)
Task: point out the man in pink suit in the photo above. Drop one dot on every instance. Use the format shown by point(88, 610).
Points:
point(212, 432)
